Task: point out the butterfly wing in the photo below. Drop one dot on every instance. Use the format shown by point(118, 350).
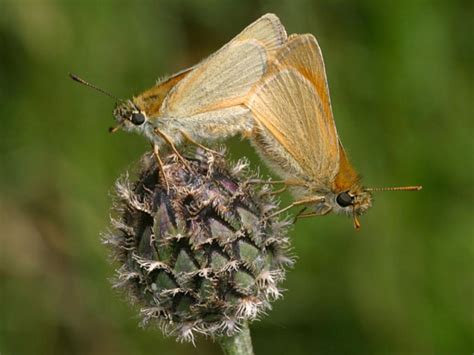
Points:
point(226, 77)
point(151, 100)
point(303, 53)
point(292, 107)
point(267, 30)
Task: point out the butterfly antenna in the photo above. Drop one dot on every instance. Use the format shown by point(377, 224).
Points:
point(396, 188)
point(83, 82)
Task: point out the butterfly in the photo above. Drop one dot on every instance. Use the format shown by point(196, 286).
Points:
point(296, 134)
point(205, 102)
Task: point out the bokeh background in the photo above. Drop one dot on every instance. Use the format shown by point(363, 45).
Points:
point(401, 81)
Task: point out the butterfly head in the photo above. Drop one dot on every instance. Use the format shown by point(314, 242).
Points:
point(353, 202)
point(349, 202)
point(129, 116)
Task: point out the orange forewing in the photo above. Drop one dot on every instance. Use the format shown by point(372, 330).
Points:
point(310, 64)
point(346, 177)
point(151, 100)
point(308, 60)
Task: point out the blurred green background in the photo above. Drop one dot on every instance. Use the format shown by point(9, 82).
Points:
point(401, 81)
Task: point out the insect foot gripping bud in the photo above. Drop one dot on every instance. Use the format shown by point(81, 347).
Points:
point(202, 256)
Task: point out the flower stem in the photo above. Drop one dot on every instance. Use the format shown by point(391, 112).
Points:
point(239, 344)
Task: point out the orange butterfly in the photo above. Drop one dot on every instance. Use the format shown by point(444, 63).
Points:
point(204, 102)
point(296, 133)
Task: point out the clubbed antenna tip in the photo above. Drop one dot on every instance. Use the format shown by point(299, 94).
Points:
point(83, 82)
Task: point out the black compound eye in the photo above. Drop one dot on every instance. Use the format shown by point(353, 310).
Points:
point(344, 199)
point(137, 118)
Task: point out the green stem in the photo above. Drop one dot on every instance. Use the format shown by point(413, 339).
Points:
point(239, 344)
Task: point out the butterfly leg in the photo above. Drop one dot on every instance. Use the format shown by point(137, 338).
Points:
point(289, 182)
point(156, 152)
point(173, 147)
point(276, 192)
point(303, 201)
point(192, 141)
point(279, 191)
point(300, 214)
point(261, 181)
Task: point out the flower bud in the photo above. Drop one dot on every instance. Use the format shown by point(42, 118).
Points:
point(202, 256)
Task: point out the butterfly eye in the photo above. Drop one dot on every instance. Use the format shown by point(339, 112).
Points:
point(137, 118)
point(344, 199)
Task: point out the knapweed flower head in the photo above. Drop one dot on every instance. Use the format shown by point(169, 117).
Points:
point(199, 254)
